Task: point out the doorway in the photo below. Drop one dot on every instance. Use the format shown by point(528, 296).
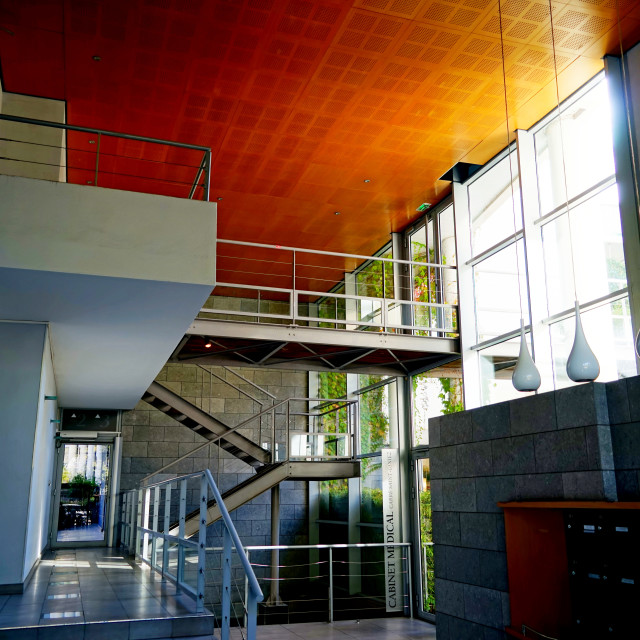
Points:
point(80, 512)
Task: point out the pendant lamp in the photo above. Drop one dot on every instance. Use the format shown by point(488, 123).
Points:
point(525, 376)
point(582, 364)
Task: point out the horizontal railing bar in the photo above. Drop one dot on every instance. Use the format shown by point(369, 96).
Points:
point(166, 536)
point(93, 152)
point(233, 386)
point(115, 134)
point(250, 383)
point(332, 253)
point(256, 314)
point(353, 545)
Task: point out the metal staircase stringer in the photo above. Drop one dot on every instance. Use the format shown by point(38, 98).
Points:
point(269, 477)
point(205, 425)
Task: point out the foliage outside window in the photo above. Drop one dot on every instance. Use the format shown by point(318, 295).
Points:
point(433, 397)
point(374, 414)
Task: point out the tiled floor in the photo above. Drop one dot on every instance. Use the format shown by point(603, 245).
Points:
point(97, 585)
point(377, 629)
point(92, 585)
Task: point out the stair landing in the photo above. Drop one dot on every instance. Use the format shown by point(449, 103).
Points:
point(99, 593)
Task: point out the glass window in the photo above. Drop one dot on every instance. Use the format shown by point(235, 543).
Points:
point(585, 139)
point(491, 205)
point(374, 415)
point(496, 368)
point(597, 252)
point(371, 490)
point(426, 537)
point(433, 397)
point(610, 336)
point(497, 295)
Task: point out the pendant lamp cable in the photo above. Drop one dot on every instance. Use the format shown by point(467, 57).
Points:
point(564, 166)
point(513, 198)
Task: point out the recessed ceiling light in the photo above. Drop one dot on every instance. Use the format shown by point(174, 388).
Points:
point(219, 198)
point(367, 180)
point(97, 58)
point(208, 344)
point(336, 213)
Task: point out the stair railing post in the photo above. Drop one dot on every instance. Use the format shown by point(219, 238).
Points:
point(330, 584)
point(138, 522)
point(293, 287)
point(202, 542)
point(181, 525)
point(274, 457)
point(226, 585)
point(247, 595)
point(145, 523)
point(156, 509)
point(288, 440)
point(166, 527)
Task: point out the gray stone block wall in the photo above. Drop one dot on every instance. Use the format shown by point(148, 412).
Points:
point(152, 439)
point(552, 446)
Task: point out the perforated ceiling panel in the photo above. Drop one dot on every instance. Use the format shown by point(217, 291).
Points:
point(303, 100)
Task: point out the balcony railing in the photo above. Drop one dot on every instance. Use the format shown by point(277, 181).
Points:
point(96, 157)
point(287, 285)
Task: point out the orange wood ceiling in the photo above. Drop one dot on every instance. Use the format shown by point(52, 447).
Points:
point(302, 100)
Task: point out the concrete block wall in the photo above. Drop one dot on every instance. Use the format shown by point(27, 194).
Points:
point(550, 446)
point(623, 399)
point(152, 439)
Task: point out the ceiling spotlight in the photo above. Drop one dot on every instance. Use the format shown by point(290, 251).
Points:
point(96, 58)
point(208, 344)
point(336, 213)
point(219, 198)
point(367, 180)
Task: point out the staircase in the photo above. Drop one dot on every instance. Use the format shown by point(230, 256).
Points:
point(205, 425)
point(266, 478)
point(323, 459)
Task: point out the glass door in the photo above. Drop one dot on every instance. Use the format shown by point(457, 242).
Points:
point(426, 594)
point(81, 511)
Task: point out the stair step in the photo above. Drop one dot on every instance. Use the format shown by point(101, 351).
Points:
point(173, 627)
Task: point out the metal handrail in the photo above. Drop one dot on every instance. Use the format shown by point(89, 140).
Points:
point(268, 410)
point(205, 164)
point(231, 539)
point(332, 253)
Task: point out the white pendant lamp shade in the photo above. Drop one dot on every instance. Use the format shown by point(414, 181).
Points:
point(525, 376)
point(582, 365)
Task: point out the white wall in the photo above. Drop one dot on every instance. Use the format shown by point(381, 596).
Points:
point(68, 228)
point(21, 346)
point(44, 160)
point(42, 465)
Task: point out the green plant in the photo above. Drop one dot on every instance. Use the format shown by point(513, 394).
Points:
point(451, 395)
point(82, 489)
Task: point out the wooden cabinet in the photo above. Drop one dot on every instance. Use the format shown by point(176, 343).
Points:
point(574, 569)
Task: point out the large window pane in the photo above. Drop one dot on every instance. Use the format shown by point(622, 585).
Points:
point(609, 334)
point(497, 295)
point(597, 252)
point(374, 415)
point(496, 368)
point(491, 205)
point(433, 397)
point(585, 138)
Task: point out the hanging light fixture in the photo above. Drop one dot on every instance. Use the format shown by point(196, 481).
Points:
point(582, 364)
point(526, 376)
